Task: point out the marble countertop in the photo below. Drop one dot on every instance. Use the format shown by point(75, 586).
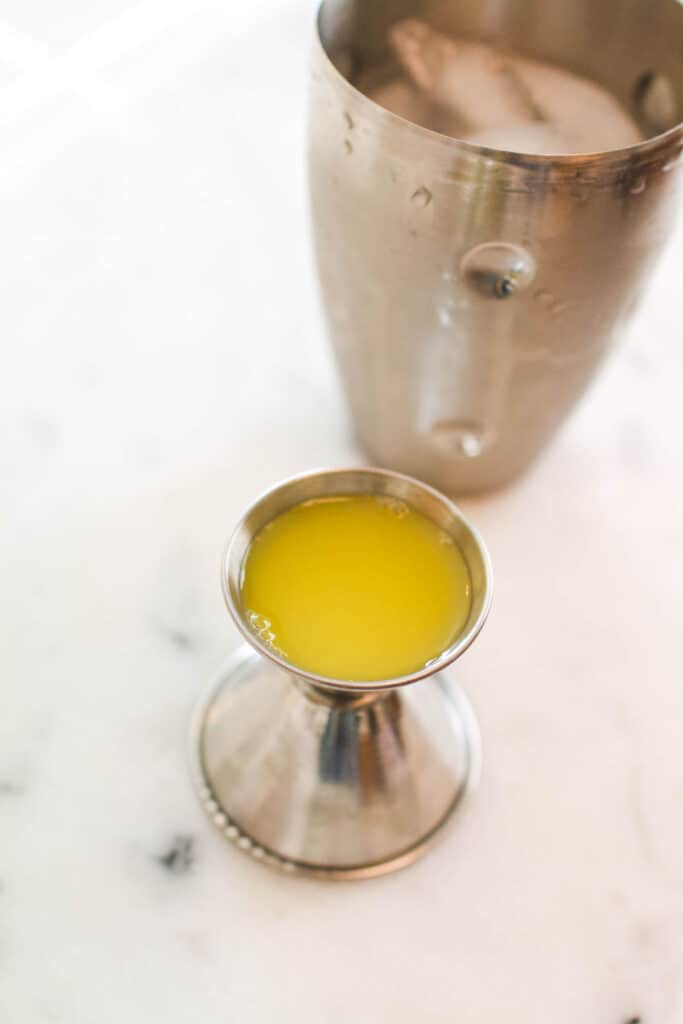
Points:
point(164, 361)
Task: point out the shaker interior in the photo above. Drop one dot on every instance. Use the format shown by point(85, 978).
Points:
point(631, 47)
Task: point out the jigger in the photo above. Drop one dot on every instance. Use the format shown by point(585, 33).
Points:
point(331, 777)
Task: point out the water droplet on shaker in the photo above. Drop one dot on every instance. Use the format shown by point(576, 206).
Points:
point(638, 186)
point(579, 194)
point(498, 270)
point(348, 147)
point(350, 123)
point(421, 197)
point(459, 437)
point(559, 308)
point(544, 298)
point(446, 313)
point(674, 161)
point(470, 445)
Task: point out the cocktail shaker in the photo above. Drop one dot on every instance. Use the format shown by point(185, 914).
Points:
point(472, 293)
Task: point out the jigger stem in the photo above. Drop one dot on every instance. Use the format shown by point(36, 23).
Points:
point(337, 697)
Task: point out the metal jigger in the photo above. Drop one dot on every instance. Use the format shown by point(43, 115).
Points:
point(329, 777)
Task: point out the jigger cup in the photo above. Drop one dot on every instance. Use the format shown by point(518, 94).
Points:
point(332, 777)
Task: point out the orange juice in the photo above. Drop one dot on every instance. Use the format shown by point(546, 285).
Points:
point(356, 587)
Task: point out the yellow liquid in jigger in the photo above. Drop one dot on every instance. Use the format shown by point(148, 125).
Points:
point(358, 587)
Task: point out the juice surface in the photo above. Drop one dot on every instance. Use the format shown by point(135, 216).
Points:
point(356, 587)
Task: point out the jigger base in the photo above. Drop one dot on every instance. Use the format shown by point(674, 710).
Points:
point(331, 785)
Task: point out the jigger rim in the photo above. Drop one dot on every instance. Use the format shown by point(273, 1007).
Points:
point(319, 483)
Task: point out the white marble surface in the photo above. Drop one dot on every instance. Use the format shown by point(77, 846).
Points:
point(162, 361)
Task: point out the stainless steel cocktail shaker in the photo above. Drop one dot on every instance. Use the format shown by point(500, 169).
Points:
point(472, 293)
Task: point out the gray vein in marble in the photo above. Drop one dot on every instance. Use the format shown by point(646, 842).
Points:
point(180, 856)
point(44, 430)
point(10, 788)
point(181, 639)
point(639, 817)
